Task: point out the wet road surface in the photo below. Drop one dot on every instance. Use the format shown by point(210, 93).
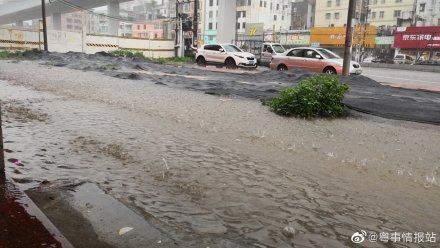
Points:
point(222, 170)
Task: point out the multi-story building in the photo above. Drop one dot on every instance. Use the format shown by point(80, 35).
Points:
point(381, 12)
point(274, 14)
point(334, 13)
point(271, 15)
point(303, 14)
point(152, 29)
point(102, 24)
point(428, 13)
point(391, 12)
point(210, 21)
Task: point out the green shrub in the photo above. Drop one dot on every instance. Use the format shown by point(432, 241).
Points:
point(174, 60)
point(317, 96)
point(127, 53)
point(10, 55)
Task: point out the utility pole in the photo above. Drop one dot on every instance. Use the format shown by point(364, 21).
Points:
point(364, 42)
point(196, 22)
point(177, 26)
point(2, 154)
point(43, 9)
point(348, 39)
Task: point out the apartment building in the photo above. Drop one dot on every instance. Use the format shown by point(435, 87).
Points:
point(273, 15)
point(152, 29)
point(210, 21)
point(303, 14)
point(428, 13)
point(333, 13)
point(398, 13)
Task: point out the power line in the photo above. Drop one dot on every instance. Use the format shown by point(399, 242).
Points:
point(77, 7)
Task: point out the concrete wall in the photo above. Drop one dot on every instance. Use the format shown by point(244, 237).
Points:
point(156, 48)
point(18, 39)
point(60, 41)
point(425, 68)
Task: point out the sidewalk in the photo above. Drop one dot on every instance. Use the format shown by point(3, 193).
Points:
point(22, 224)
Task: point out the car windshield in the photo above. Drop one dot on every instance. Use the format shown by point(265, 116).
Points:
point(231, 48)
point(278, 48)
point(328, 54)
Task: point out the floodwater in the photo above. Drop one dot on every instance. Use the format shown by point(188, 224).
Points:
point(213, 178)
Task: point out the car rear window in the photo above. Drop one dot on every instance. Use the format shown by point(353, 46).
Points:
point(400, 57)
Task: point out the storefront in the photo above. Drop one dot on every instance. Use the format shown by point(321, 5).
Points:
point(421, 42)
point(333, 38)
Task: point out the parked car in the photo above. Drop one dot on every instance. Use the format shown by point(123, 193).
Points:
point(228, 55)
point(403, 59)
point(383, 60)
point(428, 62)
point(268, 51)
point(368, 60)
point(313, 59)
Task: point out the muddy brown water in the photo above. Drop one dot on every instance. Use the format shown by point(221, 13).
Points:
point(224, 183)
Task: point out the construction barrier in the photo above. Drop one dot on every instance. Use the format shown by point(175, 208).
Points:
point(61, 41)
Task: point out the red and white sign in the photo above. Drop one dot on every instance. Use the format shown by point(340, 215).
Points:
point(417, 37)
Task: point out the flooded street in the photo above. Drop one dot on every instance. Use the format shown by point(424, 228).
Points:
point(216, 171)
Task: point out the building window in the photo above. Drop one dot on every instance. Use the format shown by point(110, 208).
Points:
point(338, 2)
point(145, 26)
point(243, 25)
point(211, 13)
point(211, 3)
point(265, 4)
point(139, 27)
point(373, 15)
point(327, 16)
point(249, 2)
point(275, 17)
point(398, 1)
point(397, 13)
point(261, 3)
point(238, 25)
point(278, 6)
point(243, 14)
point(210, 26)
point(329, 3)
point(381, 14)
point(422, 7)
point(337, 15)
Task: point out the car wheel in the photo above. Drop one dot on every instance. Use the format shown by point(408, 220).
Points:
point(330, 71)
point(201, 61)
point(230, 63)
point(282, 68)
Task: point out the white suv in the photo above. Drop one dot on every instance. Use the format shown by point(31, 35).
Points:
point(225, 54)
